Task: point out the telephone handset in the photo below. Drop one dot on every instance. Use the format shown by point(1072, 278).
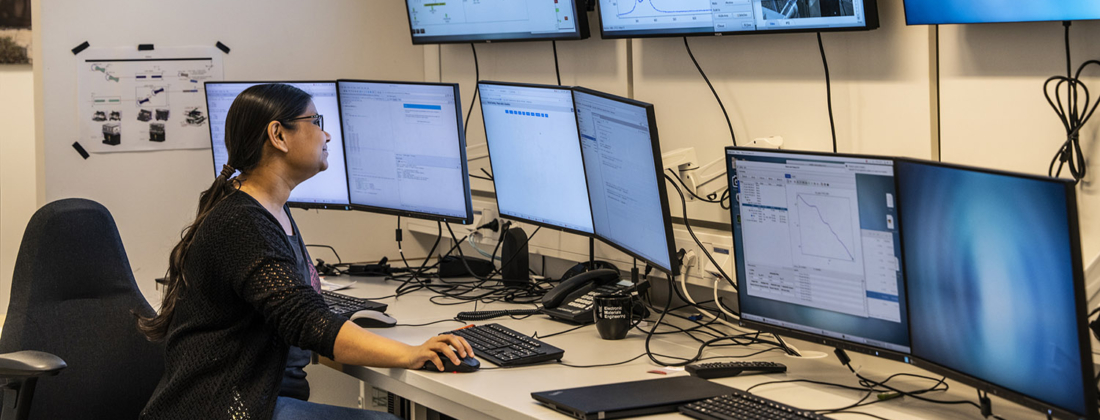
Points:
point(572, 299)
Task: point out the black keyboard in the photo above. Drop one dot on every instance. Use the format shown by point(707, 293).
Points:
point(346, 305)
point(505, 347)
point(742, 405)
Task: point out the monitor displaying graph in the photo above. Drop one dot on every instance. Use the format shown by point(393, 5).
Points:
point(818, 249)
point(450, 21)
point(648, 18)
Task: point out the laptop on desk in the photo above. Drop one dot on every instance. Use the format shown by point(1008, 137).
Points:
point(630, 399)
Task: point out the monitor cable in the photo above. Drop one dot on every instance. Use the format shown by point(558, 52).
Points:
point(712, 198)
point(477, 89)
point(733, 136)
point(557, 69)
point(868, 383)
point(828, 89)
point(687, 224)
point(1072, 112)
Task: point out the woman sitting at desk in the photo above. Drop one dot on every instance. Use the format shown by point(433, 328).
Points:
point(240, 287)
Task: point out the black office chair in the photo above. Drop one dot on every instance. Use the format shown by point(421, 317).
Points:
point(71, 296)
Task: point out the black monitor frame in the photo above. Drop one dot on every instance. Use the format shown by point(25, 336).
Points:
point(462, 155)
point(489, 150)
point(871, 18)
point(1083, 332)
point(670, 235)
point(802, 335)
point(582, 32)
point(905, 10)
point(294, 204)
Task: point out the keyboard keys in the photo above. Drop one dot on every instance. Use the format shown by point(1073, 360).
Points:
point(505, 347)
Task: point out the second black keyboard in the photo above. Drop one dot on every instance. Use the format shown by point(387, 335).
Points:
point(505, 347)
point(346, 305)
point(742, 405)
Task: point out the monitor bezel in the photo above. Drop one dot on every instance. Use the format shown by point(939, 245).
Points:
point(582, 32)
point(1081, 304)
point(469, 219)
point(489, 150)
point(293, 204)
point(799, 334)
point(662, 189)
point(871, 20)
point(905, 10)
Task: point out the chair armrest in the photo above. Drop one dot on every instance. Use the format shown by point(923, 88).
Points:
point(29, 364)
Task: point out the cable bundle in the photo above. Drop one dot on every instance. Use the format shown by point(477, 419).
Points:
point(1074, 113)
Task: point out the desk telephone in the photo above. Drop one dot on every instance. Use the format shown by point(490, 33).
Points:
point(571, 300)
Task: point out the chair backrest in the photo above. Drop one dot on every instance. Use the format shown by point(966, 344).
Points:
point(72, 293)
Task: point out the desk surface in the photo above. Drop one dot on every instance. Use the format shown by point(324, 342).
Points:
point(506, 393)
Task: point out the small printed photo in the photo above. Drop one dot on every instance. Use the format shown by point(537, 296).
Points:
point(15, 32)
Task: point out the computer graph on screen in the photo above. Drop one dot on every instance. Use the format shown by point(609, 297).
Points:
point(662, 8)
point(824, 226)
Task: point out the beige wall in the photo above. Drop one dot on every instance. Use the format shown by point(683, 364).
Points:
point(884, 91)
point(153, 195)
point(17, 167)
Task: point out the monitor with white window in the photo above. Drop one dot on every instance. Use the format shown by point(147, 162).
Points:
point(818, 250)
point(465, 21)
point(660, 18)
point(622, 161)
point(406, 153)
point(327, 189)
point(535, 154)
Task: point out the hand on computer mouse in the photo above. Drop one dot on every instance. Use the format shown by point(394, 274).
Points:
point(468, 364)
point(445, 346)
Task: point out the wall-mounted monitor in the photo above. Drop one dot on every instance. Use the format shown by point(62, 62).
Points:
point(465, 21)
point(327, 189)
point(626, 186)
point(996, 285)
point(940, 12)
point(406, 153)
point(818, 249)
point(657, 18)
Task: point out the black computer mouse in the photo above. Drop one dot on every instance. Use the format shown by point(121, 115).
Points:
point(469, 364)
point(372, 319)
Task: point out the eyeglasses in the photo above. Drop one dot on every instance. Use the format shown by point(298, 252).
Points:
point(317, 120)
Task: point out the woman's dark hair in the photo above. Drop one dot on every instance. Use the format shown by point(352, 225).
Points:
point(245, 136)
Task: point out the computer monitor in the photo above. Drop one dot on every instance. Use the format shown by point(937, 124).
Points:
point(996, 288)
point(657, 18)
point(406, 153)
point(442, 22)
point(939, 12)
point(326, 190)
point(817, 248)
point(626, 188)
point(535, 154)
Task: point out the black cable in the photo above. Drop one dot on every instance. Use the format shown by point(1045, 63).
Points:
point(429, 323)
point(687, 224)
point(477, 89)
point(716, 97)
point(1069, 61)
point(1074, 114)
point(536, 334)
point(828, 89)
point(720, 201)
point(606, 364)
point(487, 173)
point(939, 113)
point(557, 70)
point(338, 260)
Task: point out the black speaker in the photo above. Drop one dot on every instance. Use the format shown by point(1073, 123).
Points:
point(514, 256)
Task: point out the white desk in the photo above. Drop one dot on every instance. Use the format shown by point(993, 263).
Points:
point(506, 393)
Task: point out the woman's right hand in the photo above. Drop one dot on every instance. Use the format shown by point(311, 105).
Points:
point(449, 345)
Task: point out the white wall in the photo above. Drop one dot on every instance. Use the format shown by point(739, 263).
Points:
point(153, 195)
point(17, 166)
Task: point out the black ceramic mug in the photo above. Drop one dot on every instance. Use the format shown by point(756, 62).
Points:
point(612, 314)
